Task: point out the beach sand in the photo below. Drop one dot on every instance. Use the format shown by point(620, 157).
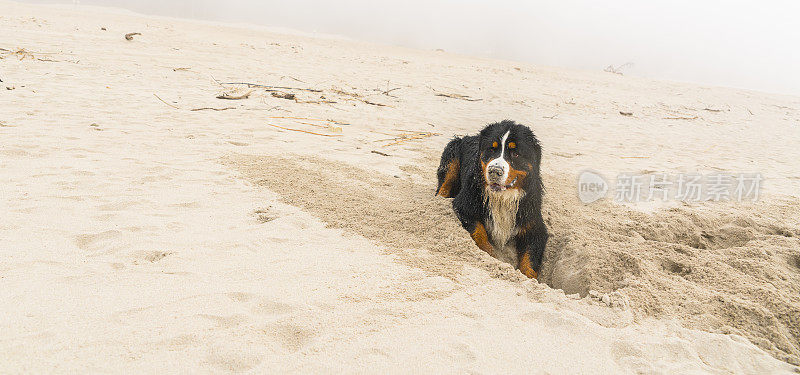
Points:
point(148, 226)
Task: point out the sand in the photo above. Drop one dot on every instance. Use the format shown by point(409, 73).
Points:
point(144, 231)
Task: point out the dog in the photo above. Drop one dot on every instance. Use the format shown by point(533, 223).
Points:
point(497, 189)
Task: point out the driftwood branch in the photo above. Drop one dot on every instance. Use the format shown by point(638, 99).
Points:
point(229, 96)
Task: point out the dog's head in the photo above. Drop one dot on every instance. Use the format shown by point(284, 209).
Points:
point(509, 155)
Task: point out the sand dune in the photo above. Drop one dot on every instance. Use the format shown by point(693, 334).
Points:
point(149, 226)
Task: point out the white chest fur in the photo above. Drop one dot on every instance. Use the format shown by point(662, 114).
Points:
point(503, 207)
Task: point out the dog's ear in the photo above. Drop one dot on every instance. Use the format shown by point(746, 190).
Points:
point(537, 147)
point(449, 172)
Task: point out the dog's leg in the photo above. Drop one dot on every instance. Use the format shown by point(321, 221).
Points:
point(450, 179)
point(481, 238)
point(449, 172)
point(524, 266)
point(530, 249)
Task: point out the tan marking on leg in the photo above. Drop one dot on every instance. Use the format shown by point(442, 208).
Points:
point(449, 179)
point(482, 239)
point(525, 267)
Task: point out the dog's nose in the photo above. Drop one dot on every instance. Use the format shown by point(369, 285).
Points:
point(495, 172)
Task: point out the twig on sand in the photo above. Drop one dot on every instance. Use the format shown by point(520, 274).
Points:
point(712, 110)
point(313, 101)
point(377, 104)
point(298, 80)
point(129, 36)
point(268, 87)
point(212, 109)
point(162, 100)
point(380, 153)
point(358, 97)
point(297, 118)
point(551, 117)
point(681, 118)
point(407, 137)
point(454, 96)
point(388, 92)
point(22, 53)
point(626, 113)
point(230, 96)
point(181, 69)
point(273, 108)
point(304, 131)
point(309, 119)
point(284, 95)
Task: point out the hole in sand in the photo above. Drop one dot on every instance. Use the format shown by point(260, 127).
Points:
point(718, 250)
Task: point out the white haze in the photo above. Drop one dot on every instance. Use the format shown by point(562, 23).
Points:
point(743, 44)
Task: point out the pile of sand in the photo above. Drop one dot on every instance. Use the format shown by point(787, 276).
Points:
point(723, 268)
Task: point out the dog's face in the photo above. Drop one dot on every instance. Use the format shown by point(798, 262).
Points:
point(509, 153)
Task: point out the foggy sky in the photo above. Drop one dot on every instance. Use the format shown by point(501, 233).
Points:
point(727, 43)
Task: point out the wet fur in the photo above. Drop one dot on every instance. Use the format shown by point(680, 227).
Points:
point(513, 220)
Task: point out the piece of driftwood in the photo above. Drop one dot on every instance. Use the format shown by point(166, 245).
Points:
point(283, 95)
point(268, 87)
point(129, 36)
point(231, 96)
point(380, 153)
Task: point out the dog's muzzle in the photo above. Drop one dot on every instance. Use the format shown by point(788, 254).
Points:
point(495, 173)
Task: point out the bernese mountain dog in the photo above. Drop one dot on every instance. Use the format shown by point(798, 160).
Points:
point(494, 178)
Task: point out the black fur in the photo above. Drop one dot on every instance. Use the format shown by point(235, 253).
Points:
point(468, 186)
